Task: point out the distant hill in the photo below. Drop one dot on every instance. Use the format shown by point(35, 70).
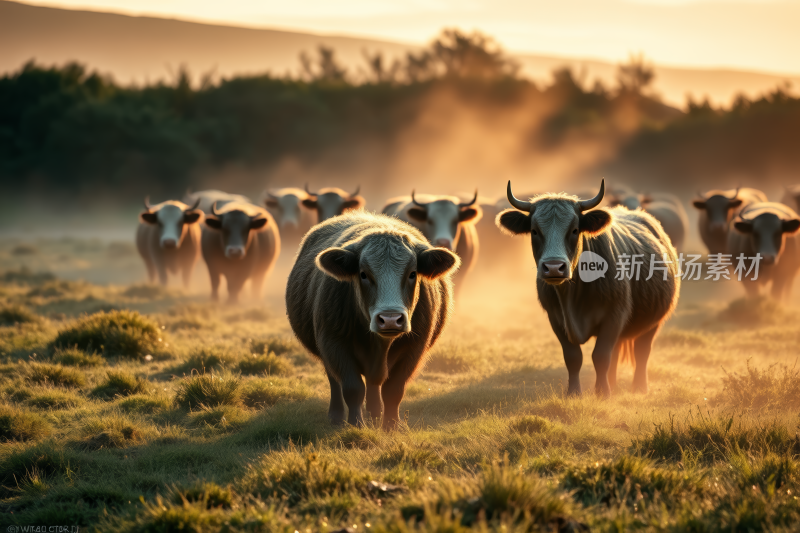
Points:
point(142, 49)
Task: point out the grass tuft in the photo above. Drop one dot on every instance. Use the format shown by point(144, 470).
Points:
point(209, 390)
point(260, 393)
point(76, 357)
point(55, 375)
point(266, 364)
point(56, 399)
point(777, 387)
point(19, 425)
point(116, 333)
point(209, 494)
point(17, 314)
point(120, 383)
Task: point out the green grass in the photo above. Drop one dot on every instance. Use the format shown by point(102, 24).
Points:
point(114, 334)
point(226, 428)
point(209, 390)
point(119, 383)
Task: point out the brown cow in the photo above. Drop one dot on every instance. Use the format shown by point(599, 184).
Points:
point(369, 296)
point(769, 229)
point(624, 313)
point(332, 201)
point(168, 239)
point(241, 242)
point(717, 209)
point(445, 221)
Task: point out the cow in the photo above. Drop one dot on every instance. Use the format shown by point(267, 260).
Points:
point(211, 196)
point(717, 209)
point(446, 222)
point(241, 242)
point(791, 197)
point(332, 201)
point(168, 239)
point(624, 314)
point(369, 296)
point(666, 208)
point(769, 229)
point(286, 207)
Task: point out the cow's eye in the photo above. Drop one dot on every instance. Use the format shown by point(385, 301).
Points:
point(534, 232)
point(412, 276)
point(575, 231)
point(363, 275)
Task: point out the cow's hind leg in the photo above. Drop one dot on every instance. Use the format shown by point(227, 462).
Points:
point(336, 410)
point(612, 367)
point(641, 352)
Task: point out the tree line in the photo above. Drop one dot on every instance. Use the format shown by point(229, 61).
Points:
point(69, 131)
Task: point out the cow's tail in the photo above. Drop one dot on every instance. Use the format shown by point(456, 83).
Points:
point(625, 350)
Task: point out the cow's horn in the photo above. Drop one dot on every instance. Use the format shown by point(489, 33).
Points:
point(147, 203)
point(358, 189)
point(474, 199)
point(413, 199)
point(585, 205)
point(514, 201)
point(309, 192)
point(214, 209)
point(195, 206)
point(272, 196)
point(736, 194)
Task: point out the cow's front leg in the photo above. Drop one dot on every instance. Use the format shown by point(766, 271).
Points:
point(601, 357)
point(336, 409)
point(374, 401)
point(353, 391)
point(573, 358)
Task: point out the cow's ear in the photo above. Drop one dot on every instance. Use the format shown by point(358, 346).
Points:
point(645, 199)
point(258, 223)
point(743, 226)
point(310, 203)
point(436, 262)
point(594, 222)
point(356, 202)
point(148, 217)
point(513, 222)
point(733, 204)
point(469, 213)
point(418, 214)
point(213, 222)
point(338, 263)
point(791, 226)
point(192, 217)
point(699, 204)
point(271, 202)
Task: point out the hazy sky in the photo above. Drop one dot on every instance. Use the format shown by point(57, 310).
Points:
point(750, 34)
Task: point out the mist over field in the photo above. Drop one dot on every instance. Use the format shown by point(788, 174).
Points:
point(133, 406)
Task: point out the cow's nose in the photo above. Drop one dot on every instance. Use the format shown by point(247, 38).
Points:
point(718, 227)
point(554, 269)
point(391, 322)
point(169, 243)
point(234, 252)
point(443, 243)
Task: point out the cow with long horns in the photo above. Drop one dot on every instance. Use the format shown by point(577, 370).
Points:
point(168, 239)
point(446, 222)
point(241, 242)
point(717, 209)
point(771, 230)
point(624, 309)
point(332, 201)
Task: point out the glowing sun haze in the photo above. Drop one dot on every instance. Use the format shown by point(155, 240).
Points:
point(745, 34)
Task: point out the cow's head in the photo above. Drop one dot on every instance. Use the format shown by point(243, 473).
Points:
point(385, 271)
point(236, 228)
point(630, 201)
point(171, 219)
point(442, 219)
point(332, 202)
point(767, 233)
point(555, 224)
point(719, 209)
point(287, 207)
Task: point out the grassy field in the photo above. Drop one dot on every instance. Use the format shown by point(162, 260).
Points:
point(127, 407)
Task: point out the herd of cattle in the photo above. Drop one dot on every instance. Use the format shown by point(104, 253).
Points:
point(370, 293)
